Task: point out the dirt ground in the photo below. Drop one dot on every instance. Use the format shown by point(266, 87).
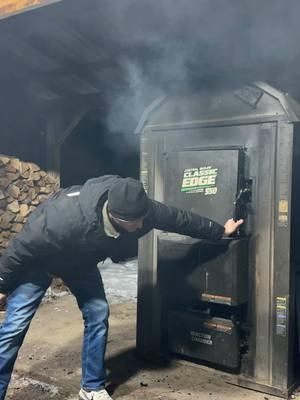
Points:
point(48, 366)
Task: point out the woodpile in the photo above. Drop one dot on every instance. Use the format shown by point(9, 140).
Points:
point(23, 186)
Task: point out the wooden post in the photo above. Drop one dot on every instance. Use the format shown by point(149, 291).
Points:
point(53, 148)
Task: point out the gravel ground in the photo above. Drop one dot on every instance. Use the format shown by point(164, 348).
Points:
point(49, 363)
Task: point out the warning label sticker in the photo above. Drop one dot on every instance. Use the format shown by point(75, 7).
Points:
point(281, 316)
point(200, 180)
point(201, 337)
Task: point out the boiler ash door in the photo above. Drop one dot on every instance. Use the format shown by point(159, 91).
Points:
point(205, 181)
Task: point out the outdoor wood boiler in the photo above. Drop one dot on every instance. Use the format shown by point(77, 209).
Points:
point(231, 304)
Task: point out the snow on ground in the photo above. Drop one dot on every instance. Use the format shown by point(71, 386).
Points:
point(120, 280)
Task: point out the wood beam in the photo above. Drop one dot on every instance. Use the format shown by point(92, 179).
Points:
point(11, 7)
point(75, 121)
point(56, 136)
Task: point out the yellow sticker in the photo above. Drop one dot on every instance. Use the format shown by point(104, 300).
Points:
point(283, 206)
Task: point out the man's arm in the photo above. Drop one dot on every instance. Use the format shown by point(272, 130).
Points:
point(34, 241)
point(185, 222)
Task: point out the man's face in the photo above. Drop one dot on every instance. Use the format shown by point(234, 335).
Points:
point(129, 226)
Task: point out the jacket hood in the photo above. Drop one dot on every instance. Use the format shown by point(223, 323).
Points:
point(91, 194)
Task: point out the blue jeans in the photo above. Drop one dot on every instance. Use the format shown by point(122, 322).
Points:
point(22, 304)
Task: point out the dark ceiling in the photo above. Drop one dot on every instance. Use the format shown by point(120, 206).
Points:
point(121, 54)
point(53, 53)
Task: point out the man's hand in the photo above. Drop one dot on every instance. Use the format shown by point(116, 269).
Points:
point(231, 226)
point(2, 299)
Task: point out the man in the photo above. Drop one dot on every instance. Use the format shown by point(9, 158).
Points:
point(67, 236)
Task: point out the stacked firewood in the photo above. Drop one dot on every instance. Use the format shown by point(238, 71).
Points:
point(23, 186)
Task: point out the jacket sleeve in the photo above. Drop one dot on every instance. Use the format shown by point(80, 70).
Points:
point(184, 222)
point(28, 245)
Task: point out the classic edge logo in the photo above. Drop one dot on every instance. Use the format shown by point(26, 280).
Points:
point(200, 180)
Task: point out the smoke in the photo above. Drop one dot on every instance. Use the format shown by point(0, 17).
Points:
point(177, 45)
point(127, 107)
point(160, 46)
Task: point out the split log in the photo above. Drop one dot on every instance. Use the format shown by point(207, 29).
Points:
point(23, 186)
point(13, 191)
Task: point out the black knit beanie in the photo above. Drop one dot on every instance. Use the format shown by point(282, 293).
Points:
point(128, 200)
